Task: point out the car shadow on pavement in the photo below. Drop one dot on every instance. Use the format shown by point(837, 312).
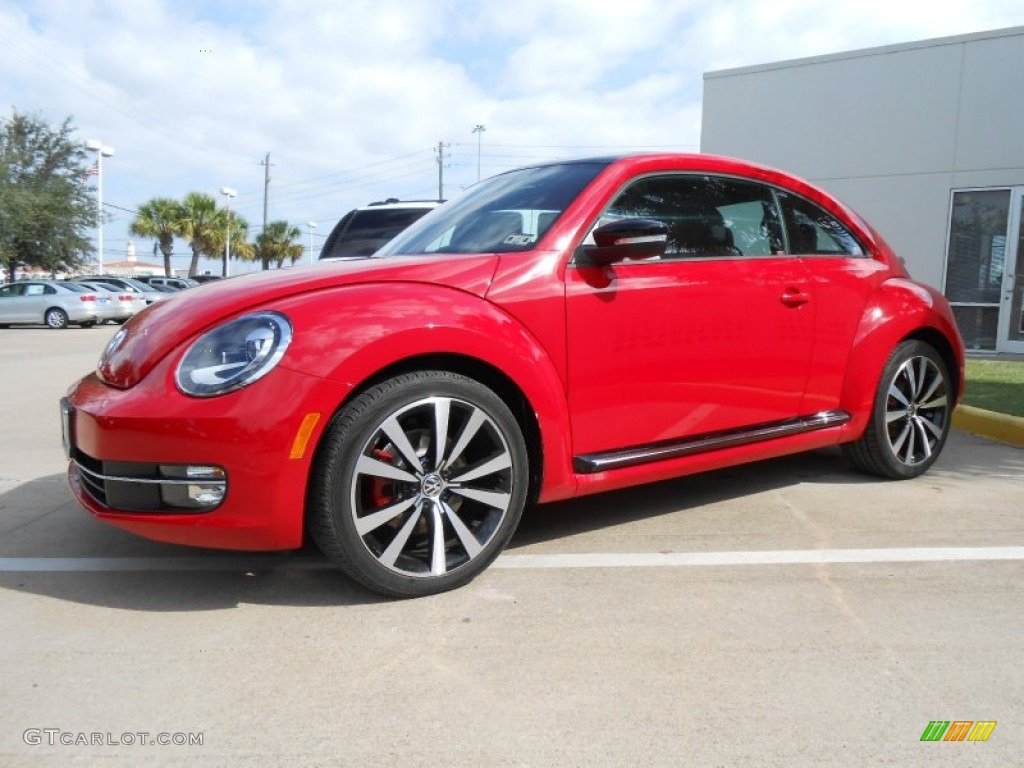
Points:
point(41, 525)
point(69, 556)
point(682, 494)
point(966, 456)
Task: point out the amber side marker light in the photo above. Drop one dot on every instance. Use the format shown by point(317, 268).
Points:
point(309, 422)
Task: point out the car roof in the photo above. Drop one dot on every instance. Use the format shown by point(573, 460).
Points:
point(391, 204)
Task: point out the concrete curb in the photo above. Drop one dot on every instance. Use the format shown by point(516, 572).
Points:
point(998, 426)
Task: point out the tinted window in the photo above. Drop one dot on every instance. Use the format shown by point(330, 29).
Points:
point(812, 230)
point(505, 213)
point(363, 232)
point(76, 287)
point(706, 215)
point(11, 290)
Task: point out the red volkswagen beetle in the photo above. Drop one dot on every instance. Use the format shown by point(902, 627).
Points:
point(556, 331)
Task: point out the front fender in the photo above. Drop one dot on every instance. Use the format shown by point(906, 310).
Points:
point(349, 334)
point(899, 309)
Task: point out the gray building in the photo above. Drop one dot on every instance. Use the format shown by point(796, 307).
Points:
point(926, 140)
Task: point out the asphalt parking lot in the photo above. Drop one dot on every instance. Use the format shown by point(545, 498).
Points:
point(788, 613)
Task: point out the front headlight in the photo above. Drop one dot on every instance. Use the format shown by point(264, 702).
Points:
point(234, 355)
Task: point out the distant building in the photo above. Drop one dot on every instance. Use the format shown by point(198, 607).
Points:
point(923, 139)
point(131, 265)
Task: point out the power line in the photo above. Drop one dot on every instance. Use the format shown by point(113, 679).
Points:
point(356, 169)
point(118, 207)
point(299, 195)
point(43, 61)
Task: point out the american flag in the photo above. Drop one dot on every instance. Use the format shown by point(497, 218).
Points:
point(93, 170)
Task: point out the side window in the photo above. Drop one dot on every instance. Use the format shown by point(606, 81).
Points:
point(34, 289)
point(814, 231)
point(9, 291)
point(707, 216)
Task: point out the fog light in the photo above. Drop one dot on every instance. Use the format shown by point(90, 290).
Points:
point(204, 473)
point(199, 487)
point(206, 495)
point(193, 471)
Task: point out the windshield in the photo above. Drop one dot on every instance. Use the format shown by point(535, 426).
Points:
point(510, 212)
point(135, 285)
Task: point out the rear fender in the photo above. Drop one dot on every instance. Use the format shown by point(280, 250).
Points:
point(899, 309)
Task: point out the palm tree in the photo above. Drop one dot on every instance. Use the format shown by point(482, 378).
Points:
point(276, 243)
point(241, 248)
point(159, 218)
point(199, 223)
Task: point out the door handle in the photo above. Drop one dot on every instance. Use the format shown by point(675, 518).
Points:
point(794, 297)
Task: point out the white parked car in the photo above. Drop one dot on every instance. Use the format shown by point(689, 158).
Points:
point(124, 283)
point(53, 303)
point(124, 304)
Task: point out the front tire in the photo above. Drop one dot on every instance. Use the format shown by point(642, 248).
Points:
point(911, 415)
point(419, 483)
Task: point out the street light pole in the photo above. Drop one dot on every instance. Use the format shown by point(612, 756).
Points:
point(479, 131)
point(229, 193)
point(312, 226)
point(101, 151)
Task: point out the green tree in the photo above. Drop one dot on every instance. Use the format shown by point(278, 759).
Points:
point(276, 243)
point(45, 208)
point(199, 224)
point(159, 218)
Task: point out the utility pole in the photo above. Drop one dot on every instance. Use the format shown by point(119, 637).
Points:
point(479, 131)
point(440, 170)
point(266, 186)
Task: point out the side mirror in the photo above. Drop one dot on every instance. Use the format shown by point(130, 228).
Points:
point(625, 239)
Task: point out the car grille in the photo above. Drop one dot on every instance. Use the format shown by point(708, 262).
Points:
point(129, 486)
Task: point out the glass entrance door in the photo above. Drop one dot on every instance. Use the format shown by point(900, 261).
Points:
point(985, 268)
point(1011, 313)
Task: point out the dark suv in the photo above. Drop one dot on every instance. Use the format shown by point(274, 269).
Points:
point(363, 230)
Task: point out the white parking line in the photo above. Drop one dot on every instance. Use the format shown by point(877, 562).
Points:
point(767, 557)
point(513, 561)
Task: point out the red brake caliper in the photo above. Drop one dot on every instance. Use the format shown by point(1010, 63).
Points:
point(381, 489)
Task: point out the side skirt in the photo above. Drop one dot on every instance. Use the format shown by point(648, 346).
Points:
point(713, 441)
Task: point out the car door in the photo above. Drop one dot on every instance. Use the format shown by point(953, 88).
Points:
point(11, 309)
point(714, 336)
point(844, 275)
point(34, 302)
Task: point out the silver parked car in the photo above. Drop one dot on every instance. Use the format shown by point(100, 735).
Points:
point(124, 283)
point(54, 303)
point(177, 283)
point(125, 304)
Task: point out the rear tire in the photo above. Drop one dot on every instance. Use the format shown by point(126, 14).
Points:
point(419, 483)
point(910, 417)
point(56, 318)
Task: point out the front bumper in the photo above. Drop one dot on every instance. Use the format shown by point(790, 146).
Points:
point(129, 450)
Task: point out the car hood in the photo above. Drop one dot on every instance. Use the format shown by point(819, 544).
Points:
point(155, 332)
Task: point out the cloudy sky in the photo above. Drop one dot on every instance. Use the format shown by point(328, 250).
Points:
point(352, 97)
